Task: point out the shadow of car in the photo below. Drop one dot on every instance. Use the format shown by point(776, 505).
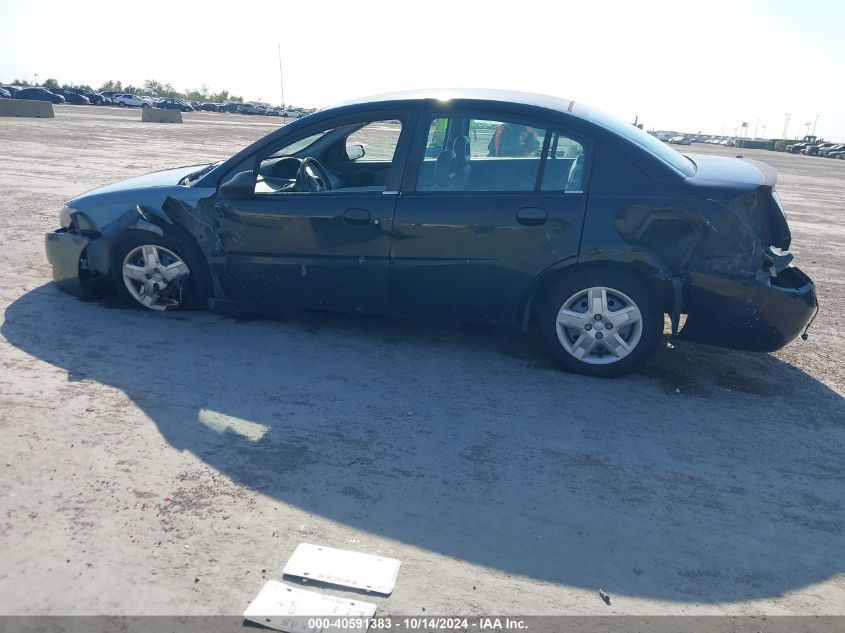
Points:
point(463, 443)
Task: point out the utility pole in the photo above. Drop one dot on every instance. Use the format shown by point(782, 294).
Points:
point(814, 125)
point(282, 85)
point(764, 131)
point(786, 126)
point(755, 128)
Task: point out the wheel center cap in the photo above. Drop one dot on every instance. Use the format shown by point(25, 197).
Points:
point(599, 325)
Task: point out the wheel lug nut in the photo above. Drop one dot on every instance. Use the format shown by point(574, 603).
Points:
point(608, 325)
point(599, 335)
point(588, 327)
point(597, 317)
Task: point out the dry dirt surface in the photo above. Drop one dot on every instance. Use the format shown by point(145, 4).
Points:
point(171, 463)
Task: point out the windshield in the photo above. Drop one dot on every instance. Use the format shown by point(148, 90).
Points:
point(644, 140)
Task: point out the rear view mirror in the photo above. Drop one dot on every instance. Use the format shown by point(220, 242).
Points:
point(240, 185)
point(354, 151)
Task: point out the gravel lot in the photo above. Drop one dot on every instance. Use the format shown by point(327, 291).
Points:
point(710, 483)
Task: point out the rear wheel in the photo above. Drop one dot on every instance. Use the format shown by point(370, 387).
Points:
point(160, 273)
point(598, 322)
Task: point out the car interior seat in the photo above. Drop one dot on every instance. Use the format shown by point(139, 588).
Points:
point(452, 169)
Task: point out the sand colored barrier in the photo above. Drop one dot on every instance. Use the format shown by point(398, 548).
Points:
point(26, 107)
point(160, 115)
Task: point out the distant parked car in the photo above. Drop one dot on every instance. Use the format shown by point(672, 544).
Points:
point(94, 97)
point(840, 153)
point(175, 104)
point(827, 148)
point(133, 101)
point(71, 96)
point(39, 94)
point(5, 94)
point(680, 140)
point(12, 90)
point(810, 149)
point(250, 108)
point(795, 148)
point(230, 107)
point(208, 106)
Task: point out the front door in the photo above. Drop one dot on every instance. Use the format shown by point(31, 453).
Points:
point(318, 238)
point(496, 201)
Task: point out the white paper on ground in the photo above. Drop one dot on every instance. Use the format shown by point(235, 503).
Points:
point(285, 608)
point(341, 567)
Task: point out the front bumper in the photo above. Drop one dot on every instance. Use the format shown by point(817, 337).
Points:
point(65, 252)
point(759, 315)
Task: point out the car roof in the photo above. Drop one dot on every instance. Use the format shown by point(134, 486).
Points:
point(474, 94)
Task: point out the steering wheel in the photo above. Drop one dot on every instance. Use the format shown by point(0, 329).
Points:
point(312, 176)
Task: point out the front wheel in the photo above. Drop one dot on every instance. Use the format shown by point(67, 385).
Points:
point(160, 273)
point(121, 104)
point(602, 323)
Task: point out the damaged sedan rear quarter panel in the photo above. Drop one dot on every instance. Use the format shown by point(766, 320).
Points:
point(703, 235)
point(715, 240)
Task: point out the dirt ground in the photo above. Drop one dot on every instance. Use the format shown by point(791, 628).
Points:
point(169, 464)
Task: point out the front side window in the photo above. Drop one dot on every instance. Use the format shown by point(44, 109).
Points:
point(357, 157)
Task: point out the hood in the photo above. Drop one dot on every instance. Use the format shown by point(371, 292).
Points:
point(164, 178)
point(723, 170)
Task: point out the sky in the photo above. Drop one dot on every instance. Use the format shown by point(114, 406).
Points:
point(690, 65)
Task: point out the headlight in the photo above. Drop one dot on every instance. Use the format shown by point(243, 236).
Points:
point(64, 216)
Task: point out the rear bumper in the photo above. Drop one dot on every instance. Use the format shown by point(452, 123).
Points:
point(760, 315)
point(64, 252)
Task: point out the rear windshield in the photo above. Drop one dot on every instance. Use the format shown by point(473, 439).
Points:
point(644, 140)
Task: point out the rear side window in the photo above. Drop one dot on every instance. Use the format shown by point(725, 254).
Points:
point(564, 168)
point(475, 154)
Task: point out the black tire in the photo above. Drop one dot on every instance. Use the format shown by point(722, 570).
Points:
point(196, 288)
point(572, 282)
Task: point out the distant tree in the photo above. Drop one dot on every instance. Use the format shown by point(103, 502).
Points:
point(197, 95)
point(153, 87)
point(21, 82)
point(51, 83)
point(113, 86)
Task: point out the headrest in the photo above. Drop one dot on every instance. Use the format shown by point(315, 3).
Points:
point(461, 148)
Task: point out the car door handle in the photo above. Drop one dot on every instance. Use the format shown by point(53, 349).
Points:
point(532, 216)
point(357, 217)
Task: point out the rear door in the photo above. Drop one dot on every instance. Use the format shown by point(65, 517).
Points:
point(490, 200)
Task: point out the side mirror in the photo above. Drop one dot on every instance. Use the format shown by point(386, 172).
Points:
point(241, 185)
point(354, 151)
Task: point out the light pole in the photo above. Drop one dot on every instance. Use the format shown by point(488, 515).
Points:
point(814, 125)
point(808, 123)
point(764, 131)
point(786, 126)
point(282, 86)
point(36, 79)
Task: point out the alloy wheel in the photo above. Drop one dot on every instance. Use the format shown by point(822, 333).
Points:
point(155, 276)
point(599, 325)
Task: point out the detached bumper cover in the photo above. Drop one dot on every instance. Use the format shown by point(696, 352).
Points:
point(64, 252)
point(760, 315)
